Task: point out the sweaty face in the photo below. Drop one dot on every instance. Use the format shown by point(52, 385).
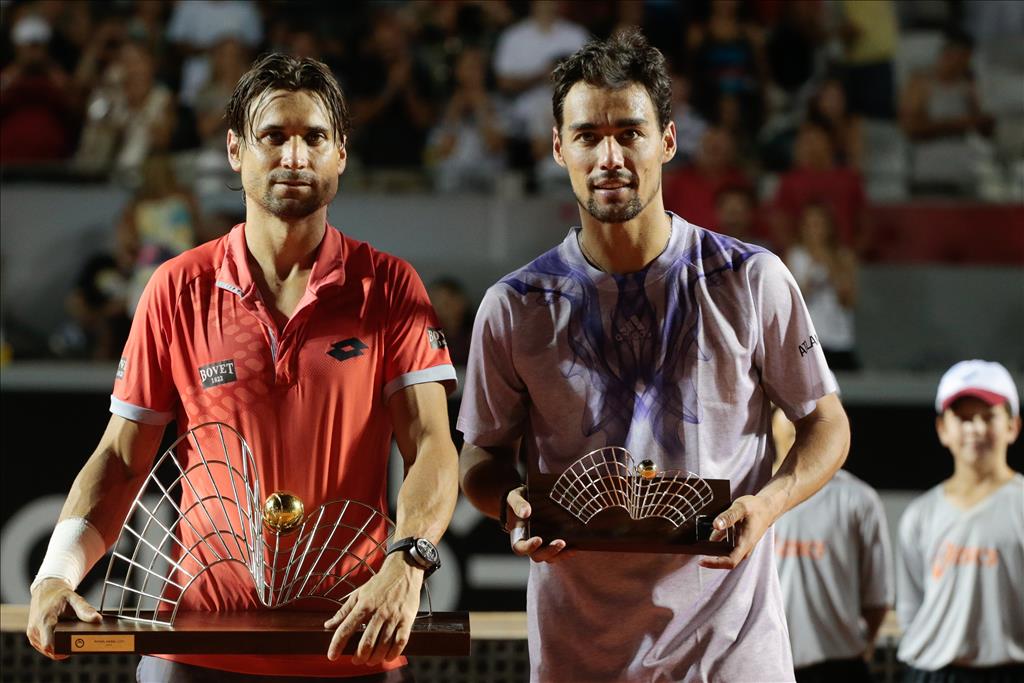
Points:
point(290, 160)
point(613, 147)
point(975, 431)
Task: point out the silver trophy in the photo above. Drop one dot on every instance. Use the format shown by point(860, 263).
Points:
point(201, 512)
point(607, 500)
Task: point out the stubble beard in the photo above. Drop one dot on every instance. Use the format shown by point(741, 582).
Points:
point(293, 208)
point(617, 213)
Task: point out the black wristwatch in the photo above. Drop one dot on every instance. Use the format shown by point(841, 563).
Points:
point(419, 552)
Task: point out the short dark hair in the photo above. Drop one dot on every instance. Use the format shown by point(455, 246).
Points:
point(279, 71)
point(622, 60)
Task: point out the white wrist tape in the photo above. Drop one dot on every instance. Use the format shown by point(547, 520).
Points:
point(74, 548)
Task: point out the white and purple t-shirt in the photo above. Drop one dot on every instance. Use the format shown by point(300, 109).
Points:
point(677, 363)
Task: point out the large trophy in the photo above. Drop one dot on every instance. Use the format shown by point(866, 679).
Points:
point(607, 500)
point(201, 513)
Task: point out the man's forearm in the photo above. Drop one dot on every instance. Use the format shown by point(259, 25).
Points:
point(427, 497)
point(102, 493)
point(487, 474)
point(822, 443)
point(112, 476)
point(873, 618)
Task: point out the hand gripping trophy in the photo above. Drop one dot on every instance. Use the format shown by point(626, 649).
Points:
point(201, 511)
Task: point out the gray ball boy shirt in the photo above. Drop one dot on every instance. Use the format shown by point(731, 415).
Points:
point(834, 560)
point(676, 363)
point(960, 580)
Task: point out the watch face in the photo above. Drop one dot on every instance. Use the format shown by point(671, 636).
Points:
point(426, 550)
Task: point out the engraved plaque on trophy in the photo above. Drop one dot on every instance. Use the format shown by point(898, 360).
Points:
point(607, 500)
point(199, 514)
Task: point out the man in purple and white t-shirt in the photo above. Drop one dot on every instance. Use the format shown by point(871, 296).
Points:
point(643, 331)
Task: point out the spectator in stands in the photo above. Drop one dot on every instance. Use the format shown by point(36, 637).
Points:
point(828, 109)
point(835, 569)
point(160, 220)
point(690, 125)
point(392, 105)
point(727, 60)
point(816, 178)
point(129, 116)
point(451, 303)
point(98, 306)
point(827, 274)
point(36, 117)
point(939, 111)
point(229, 59)
point(467, 147)
point(102, 50)
point(198, 25)
point(524, 56)
point(690, 192)
point(793, 49)
point(446, 28)
point(869, 32)
point(736, 214)
point(961, 551)
point(147, 24)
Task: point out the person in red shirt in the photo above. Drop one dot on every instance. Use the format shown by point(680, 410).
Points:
point(816, 179)
point(691, 192)
point(316, 347)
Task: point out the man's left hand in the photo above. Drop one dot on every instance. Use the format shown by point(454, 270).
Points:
point(387, 604)
point(750, 517)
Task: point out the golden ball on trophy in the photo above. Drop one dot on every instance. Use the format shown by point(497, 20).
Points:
point(283, 511)
point(647, 469)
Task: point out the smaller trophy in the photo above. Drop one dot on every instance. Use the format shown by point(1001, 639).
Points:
point(607, 500)
point(200, 513)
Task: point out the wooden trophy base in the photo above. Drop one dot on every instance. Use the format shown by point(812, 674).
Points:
point(258, 632)
point(613, 529)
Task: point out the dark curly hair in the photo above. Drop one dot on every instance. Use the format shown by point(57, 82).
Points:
point(278, 71)
point(622, 60)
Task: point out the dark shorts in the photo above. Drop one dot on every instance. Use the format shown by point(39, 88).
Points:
point(156, 670)
point(853, 670)
point(1009, 673)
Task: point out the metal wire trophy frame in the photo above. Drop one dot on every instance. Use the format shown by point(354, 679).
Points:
point(201, 507)
point(607, 500)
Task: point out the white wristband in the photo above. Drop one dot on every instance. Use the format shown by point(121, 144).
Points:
point(74, 548)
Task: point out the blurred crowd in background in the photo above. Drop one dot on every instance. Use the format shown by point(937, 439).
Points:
point(792, 115)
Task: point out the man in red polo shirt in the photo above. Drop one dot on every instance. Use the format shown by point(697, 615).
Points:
point(316, 347)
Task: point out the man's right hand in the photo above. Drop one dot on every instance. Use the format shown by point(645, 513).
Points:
point(52, 599)
point(518, 512)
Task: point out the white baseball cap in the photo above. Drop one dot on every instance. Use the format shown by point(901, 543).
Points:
point(30, 29)
point(989, 381)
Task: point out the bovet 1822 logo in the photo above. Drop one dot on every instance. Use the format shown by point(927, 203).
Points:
point(218, 373)
point(435, 335)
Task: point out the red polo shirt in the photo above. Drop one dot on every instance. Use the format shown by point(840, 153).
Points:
point(310, 399)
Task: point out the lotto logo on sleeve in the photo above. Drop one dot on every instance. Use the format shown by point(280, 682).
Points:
point(216, 374)
point(436, 337)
